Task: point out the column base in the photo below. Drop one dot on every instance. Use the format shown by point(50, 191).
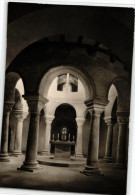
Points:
point(29, 166)
point(108, 160)
point(79, 156)
point(91, 170)
point(45, 153)
point(16, 153)
point(10, 153)
point(4, 158)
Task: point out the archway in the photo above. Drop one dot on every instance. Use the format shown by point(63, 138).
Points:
point(120, 87)
point(64, 127)
point(112, 98)
point(59, 70)
point(10, 83)
point(12, 96)
point(109, 126)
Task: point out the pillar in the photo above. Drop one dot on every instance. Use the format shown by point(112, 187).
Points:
point(11, 142)
point(20, 116)
point(5, 129)
point(80, 123)
point(95, 108)
point(109, 140)
point(123, 119)
point(35, 104)
point(12, 124)
point(47, 138)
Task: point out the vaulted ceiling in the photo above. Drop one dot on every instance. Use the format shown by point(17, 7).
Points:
point(111, 29)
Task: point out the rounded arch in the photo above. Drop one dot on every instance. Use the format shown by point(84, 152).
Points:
point(56, 71)
point(50, 110)
point(123, 93)
point(18, 101)
point(112, 98)
point(14, 88)
point(18, 39)
point(10, 83)
point(66, 107)
point(64, 126)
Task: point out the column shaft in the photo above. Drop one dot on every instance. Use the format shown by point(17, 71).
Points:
point(46, 149)
point(123, 119)
point(18, 138)
point(93, 146)
point(35, 103)
point(5, 129)
point(96, 107)
point(47, 137)
point(12, 139)
point(79, 143)
point(108, 148)
point(32, 143)
point(79, 152)
point(121, 148)
point(20, 116)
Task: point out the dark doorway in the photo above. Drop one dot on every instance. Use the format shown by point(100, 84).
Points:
point(64, 125)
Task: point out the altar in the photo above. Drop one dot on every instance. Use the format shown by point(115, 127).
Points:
point(62, 145)
point(62, 149)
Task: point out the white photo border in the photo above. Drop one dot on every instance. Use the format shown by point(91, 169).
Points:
point(3, 39)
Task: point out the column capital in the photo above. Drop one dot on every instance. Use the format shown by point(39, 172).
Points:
point(80, 121)
point(49, 119)
point(35, 102)
point(110, 120)
point(123, 117)
point(8, 106)
point(96, 106)
point(19, 114)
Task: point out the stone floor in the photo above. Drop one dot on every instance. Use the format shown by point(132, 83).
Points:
point(73, 162)
point(66, 179)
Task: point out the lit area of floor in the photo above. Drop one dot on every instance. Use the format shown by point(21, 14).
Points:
point(52, 161)
point(66, 179)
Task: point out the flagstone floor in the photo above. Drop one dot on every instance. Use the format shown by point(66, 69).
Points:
point(66, 179)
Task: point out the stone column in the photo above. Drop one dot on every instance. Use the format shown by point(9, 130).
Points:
point(80, 123)
point(123, 119)
point(109, 140)
point(95, 109)
point(20, 116)
point(35, 104)
point(12, 137)
point(47, 138)
point(5, 129)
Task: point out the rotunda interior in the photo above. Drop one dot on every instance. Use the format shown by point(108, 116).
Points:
point(67, 94)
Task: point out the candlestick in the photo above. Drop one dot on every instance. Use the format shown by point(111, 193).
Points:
point(58, 136)
point(53, 136)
